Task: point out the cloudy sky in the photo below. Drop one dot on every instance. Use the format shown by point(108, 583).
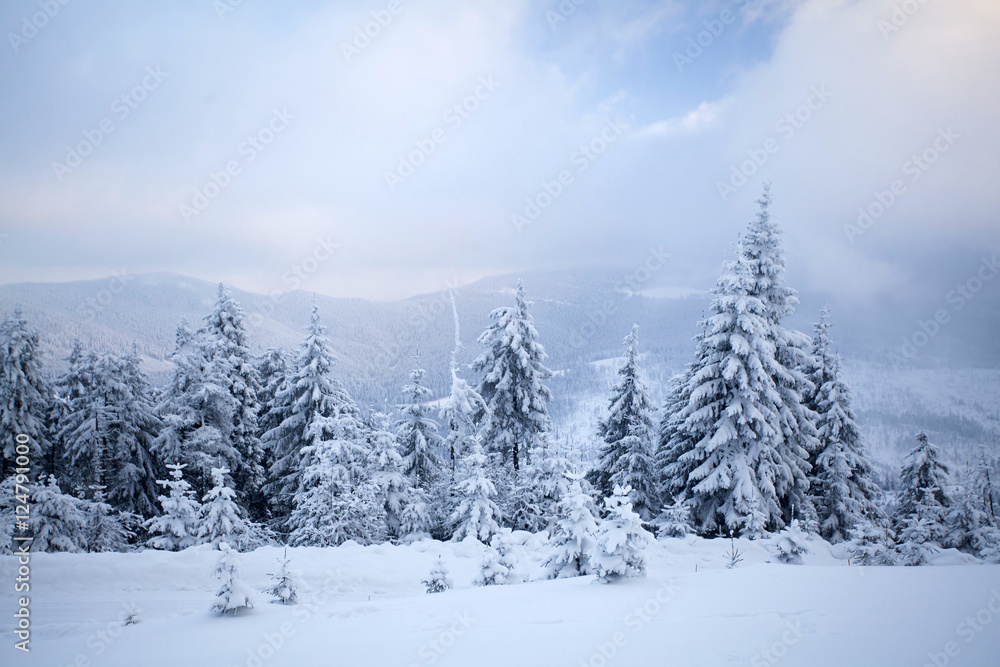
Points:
point(439, 141)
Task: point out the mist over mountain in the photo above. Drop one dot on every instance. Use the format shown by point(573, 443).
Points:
point(950, 387)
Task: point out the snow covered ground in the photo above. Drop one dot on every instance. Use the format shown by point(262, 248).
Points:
point(366, 606)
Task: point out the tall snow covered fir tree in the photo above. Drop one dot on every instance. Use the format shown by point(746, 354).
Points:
point(513, 363)
point(226, 346)
point(387, 475)
point(69, 388)
point(109, 430)
point(626, 459)
point(737, 433)
point(197, 409)
point(764, 251)
point(920, 517)
point(841, 478)
point(310, 402)
point(25, 395)
point(417, 434)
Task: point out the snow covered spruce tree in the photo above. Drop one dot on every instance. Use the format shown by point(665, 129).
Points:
point(532, 502)
point(286, 582)
point(273, 370)
point(841, 477)
point(573, 540)
point(305, 406)
point(728, 464)
point(109, 431)
point(477, 514)
point(417, 434)
point(626, 459)
point(386, 471)
point(25, 395)
point(179, 525)
point(513, 363)
point(621, 541)
point(232, 595)
point(226, 344)
point(438, 581)
point(197, 409)
point(68, 389)
point(221, 519)
point(106, 528)
point(335, 502)
point(736, 438)
point(921, 515)
point(58, 521)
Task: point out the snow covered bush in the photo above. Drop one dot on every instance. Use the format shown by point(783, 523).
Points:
point(286, 583)
point(789, 545)
point(437, 581)
point(621, 541)
point(573, 540)
point(871, 544)
point(499, 563)
point(232, 595)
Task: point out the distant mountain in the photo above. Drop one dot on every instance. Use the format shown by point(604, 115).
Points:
point(582, 316)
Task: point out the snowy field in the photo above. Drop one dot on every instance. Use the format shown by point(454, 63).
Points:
point(367, 606)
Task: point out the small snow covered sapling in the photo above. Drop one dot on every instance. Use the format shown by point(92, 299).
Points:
point(286, 583)
point(734, 555)
point(674, 521)
point(789, 545)
point(232, 594)
point(438, 581)
point(621, 540)
point(871, 544)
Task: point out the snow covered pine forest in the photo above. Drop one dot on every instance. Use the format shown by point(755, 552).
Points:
point(250, 512)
